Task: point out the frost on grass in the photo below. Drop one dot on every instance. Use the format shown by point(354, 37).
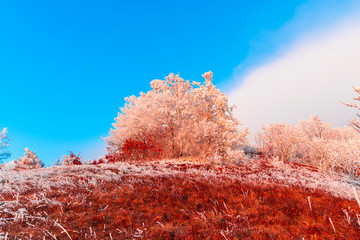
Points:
point(82, 202)
point(255, 172)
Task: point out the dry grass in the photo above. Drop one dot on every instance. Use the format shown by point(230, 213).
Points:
point(176, 200)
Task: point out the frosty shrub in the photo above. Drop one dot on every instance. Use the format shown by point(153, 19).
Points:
point(28, 161)
point(313, 142)
point(355, 122)
point(71, 159)
point(176, 118)
point(4, 144)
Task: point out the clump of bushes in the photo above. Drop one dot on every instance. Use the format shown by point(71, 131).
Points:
point(313, 142)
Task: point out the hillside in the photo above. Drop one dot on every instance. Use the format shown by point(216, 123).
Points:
point(178, 199)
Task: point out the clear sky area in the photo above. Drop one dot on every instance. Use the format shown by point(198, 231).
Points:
point(66, 66)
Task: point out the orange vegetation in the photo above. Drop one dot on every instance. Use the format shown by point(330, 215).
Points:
point(181, 206)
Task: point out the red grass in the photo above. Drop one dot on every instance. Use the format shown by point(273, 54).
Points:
point(186, 207)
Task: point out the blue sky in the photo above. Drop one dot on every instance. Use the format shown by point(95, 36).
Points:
point(66, 66)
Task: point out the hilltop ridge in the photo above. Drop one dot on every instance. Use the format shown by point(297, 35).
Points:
point(177, 199)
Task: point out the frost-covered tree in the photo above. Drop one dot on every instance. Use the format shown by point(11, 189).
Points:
point(177, 118)
point(28, 161)
point(355, 122)
point(315, 127)
point(216, 129)
point(4, 144)
point(316, 136)
point(281, 140)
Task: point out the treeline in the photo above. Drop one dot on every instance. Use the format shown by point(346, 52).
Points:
point(178, 118)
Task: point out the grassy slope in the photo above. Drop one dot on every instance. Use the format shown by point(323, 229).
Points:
point(177, 200)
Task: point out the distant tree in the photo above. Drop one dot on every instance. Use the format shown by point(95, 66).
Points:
point(174, 119)
point(4, 144)
point(280, 140)
point(355, 122)
point(71, 159)
point(315, 127)
point(28, 161)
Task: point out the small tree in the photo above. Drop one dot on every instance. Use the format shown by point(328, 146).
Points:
point(71, 159)
point(28, 161)
point(355, 122)
point(4, 144)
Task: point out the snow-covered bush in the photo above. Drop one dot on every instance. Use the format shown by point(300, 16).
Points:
point(4, 144)
point(71, 159)
point(176, 119)
point(313, 142)
point(28, 161)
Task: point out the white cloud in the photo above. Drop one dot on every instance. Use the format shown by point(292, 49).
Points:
point(312, 77)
